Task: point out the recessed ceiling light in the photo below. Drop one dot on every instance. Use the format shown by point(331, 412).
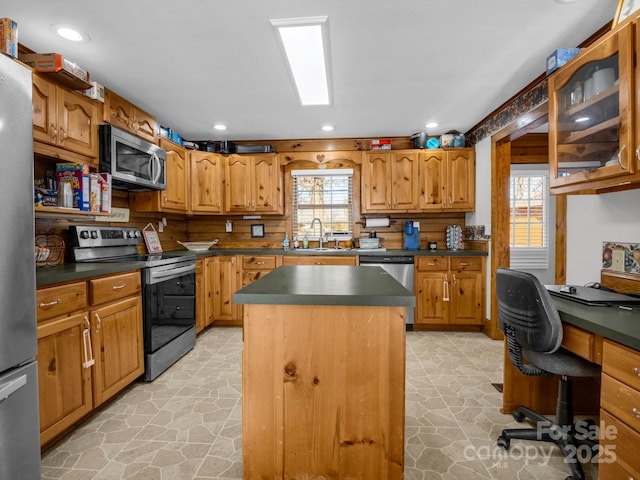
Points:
point(70, 33)
point(431, 125)
point(566, 2)
point(305, 43)
point(219, 126)
point(582, 119)
point(327, 128)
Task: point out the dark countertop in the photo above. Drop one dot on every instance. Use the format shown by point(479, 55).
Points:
point(69, 272)
point(326, 285)
point(619, 325)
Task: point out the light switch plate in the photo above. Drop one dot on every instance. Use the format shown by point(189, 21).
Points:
point(617, 260)
point(228, 227)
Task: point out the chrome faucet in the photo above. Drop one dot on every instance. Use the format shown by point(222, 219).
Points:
point(313, 222)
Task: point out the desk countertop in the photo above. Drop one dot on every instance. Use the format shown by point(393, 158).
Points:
point(326, 285)
point(620, 325)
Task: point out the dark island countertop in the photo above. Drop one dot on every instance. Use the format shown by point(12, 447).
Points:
point(326, 285)
point(614, 323)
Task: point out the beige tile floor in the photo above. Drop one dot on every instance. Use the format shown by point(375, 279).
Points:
point(187, 423)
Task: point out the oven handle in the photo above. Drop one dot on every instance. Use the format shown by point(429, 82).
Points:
point(174, 272)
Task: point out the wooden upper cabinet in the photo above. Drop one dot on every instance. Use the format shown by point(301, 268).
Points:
point(175, 198)
point(390, 181)
point(448, 180)
point(65, 120)
point(123, 114)
point(253, 183)
point(206, 182)
point(591, 118)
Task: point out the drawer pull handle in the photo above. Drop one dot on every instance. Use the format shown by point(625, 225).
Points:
point(431, 264)
point(118, 287)
point(463, 264)
point(50, 304)
point(636, 412)
point(259, 263)
point(636, 370)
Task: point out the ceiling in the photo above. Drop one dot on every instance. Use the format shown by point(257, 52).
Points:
point(394, 65)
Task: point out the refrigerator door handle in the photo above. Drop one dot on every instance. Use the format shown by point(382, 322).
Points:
point(12, 387)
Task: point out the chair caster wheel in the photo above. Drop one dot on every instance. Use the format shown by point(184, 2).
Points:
point(504, 442)
point(518, 416)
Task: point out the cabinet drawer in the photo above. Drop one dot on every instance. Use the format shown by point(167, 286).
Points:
point(586, 344)
point(114, 287)
point(432, 263)
point(622, 363)
point(319, 260)
point(620, 443)
point(55, 301)
point(259, 262)
point(621, 400)
point(466, 263)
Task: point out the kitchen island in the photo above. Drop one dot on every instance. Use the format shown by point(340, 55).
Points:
point(323, 372)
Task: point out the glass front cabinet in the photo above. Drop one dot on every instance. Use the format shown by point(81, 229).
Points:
point(591, 117)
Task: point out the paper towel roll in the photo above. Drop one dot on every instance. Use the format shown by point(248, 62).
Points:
point(376, 222)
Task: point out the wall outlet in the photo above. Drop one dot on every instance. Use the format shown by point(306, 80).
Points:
point(160, 227)
point(228, 227)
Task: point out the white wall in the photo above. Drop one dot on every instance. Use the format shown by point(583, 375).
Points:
point(593, 219)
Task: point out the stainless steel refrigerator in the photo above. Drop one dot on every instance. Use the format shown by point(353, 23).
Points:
point(19, 423)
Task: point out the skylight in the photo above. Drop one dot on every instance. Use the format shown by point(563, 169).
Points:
point(305, 43)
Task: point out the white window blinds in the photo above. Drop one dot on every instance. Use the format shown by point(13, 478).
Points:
point(324, 194)
point(529, 220)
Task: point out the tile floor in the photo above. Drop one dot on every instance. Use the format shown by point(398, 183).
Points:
point(187, 423)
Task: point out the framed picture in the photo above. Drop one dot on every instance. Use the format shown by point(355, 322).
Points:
point(257, 230)
point(625, 9)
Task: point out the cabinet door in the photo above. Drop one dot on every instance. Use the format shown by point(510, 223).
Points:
point(466, 298)
point(461, 180)
point(77, 123)
point(206, 182)
point(590, 116)
point(145, 125)
point(433, 176)
point(376, 182)
point(174, 197)
point(117, 111)
point(267, 184)
point(118, 347)
point(44, 111)
point(64, 380)
point(433, 298)
point(404, 177)
point(201, 295)
point(238, 182)
point(225, 281)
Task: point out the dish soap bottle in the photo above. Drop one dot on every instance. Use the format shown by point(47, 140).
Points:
point(285, 243)
point(296, 243)
point(305, 242)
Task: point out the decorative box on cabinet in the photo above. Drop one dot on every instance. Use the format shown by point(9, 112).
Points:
point(124, 114)
point(390, 181)
point(65, 123)
point(449, 292)
point(448, 180)
point(175, 198)
point(253, 184)
point(591, 121)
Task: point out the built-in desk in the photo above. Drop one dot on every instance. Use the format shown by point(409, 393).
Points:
point(609, 336)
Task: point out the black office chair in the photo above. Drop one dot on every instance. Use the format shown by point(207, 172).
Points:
point(533, 331)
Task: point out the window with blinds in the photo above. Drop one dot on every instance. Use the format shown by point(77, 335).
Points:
point(529, 218)
point(324, 194)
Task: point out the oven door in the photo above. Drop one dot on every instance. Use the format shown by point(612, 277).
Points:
point(169, 303)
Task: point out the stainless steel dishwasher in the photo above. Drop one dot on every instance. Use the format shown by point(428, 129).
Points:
point(399, 267)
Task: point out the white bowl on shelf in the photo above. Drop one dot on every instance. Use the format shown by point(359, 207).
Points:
point(198, 246)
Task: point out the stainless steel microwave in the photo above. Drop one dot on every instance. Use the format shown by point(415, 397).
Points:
point(134, 163)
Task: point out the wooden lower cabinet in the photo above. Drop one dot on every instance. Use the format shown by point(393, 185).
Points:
point(89, 347)
point(64, 377)
point(450, 292)
point(223, 279)
point(201, 295)
point(117, 345)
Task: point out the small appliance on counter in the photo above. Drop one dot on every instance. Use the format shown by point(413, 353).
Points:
point(411, 236)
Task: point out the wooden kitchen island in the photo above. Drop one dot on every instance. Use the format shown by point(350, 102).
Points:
point(323, 372)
